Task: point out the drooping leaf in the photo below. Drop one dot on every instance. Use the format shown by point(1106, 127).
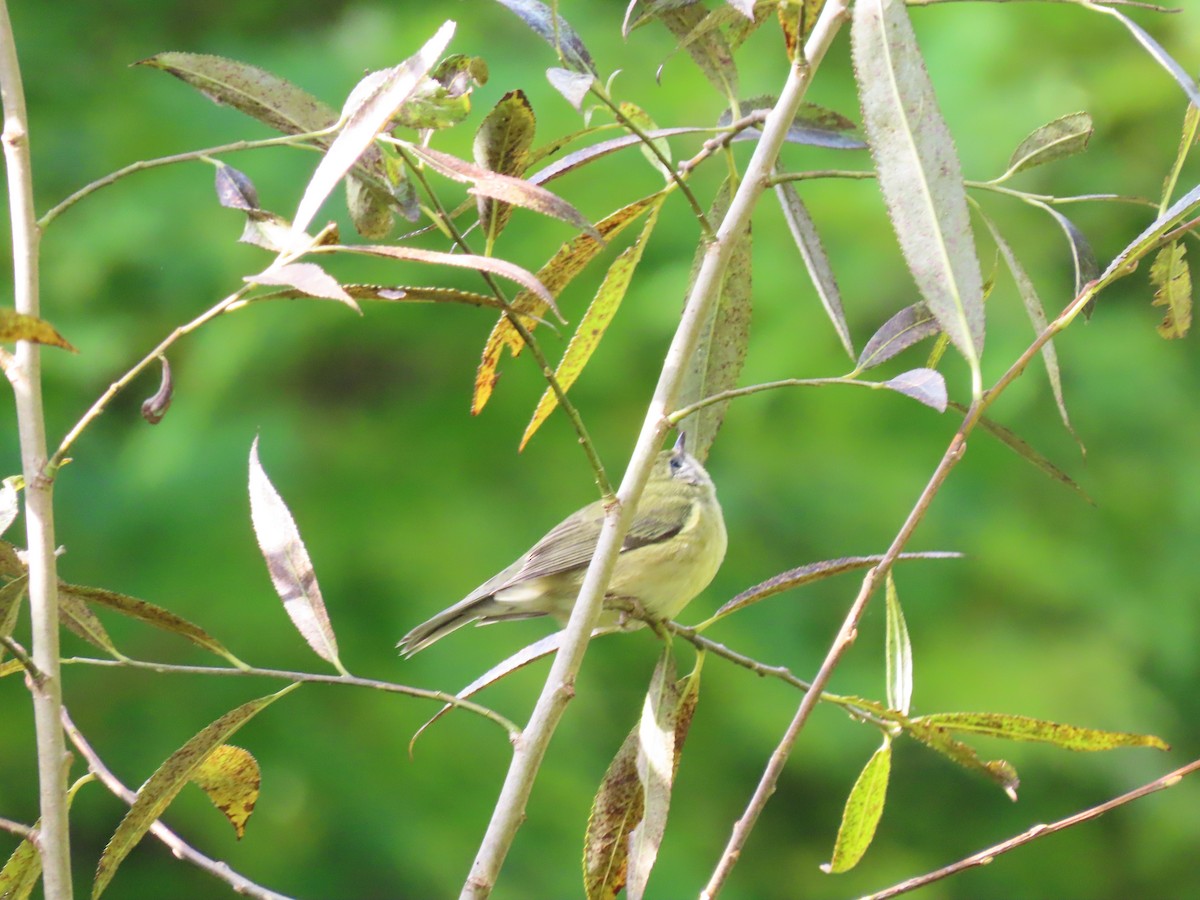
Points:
point(15, 326)
point(655, 766)
point(518, 191)
point(1128, 259)
point(161, 788)
point(1065, 136)
point(919, 172)
point(1156, 51)
point(371, 211)
point(365, 120)
point(234, 188)
point(939, 738)
point(864, 806)
point(820, 272)
point(1037, 316)
point(594, 323)
point(562, 268)
point(926, 386)
point(898, 653)
point(1170, 275)
point(814, 125)
point(1187, 140)
point(149, 614)
point(156, 405)
point(502, 145)
point(1024, 728)
point(642, 120)
point(573, 86)
point(1083, 257)
point(231, 778)
point(720, 351)
point(288, 563)
point(9, 505)
point(709, 48)
point(308, 278)
point(558, 34)
point(794, 578)
point(907, 327)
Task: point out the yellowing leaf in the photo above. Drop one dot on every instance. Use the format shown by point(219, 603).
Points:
point(1024, 728)
point(502, 145)
point(231, 778)
point(1172, 277)
point(864, 806)
point(15, 326)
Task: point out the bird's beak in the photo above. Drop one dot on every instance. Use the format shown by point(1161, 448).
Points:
point(679, 447)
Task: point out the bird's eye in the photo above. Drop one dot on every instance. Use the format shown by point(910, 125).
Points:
point(676, 463)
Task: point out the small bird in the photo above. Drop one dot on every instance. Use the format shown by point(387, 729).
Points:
point(671, 552)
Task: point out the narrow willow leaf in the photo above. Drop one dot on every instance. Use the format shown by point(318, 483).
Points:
point(1026, 452)
point(75, 615)
point(502, 145)
point(1127, 260)
point(149, 614)
point(231, 778)
point(370, 209)
point(1083, 257)
point(655, 766)
point(156, 406)
point(797, 20)
point(1170, 275)
point(500, 267)
point(618, 806)
point(815, 125)
point(820, 272)
point(234, 188)
point(907, 327)
point(400, 293)
point(11, 595)
point(160, 789)
point(898, 653)
point(308, 278)
point(558, 34)
point(518, 191)
point(1187, 140)
point(365, 121)
point(794, 578)
point(864, 806)
point(15, 326)
point(573, 86)
point(939, 738)
point(919, 172)
point(1156, 50)
point(594, 324)
point(641, 12)
point(710, 50)
point(1024, 728)
point(9, 505)
point(720, 350)
point(926, 386)
point(21, 872)
point(1063, 137)
point(642, 120)
point(568, 261)
point(289, 564)
point(1037, 316)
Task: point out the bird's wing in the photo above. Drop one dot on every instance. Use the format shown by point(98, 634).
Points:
point(666, 521)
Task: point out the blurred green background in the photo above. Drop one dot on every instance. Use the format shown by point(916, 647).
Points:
point(1077, 613)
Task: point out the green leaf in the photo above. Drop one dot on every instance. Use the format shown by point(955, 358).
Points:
point(502, 145)
point(720, 352)
point(797, 19)
point(1151, 237)
point(370, 107)
point(370, 209)
point(1155, 49)
point(864, 806)
point(160, 789)
point(926, 386)
point(15, 326)
point(1169, 273)
point(820, 272)
point(21, 872)
point(289, 564)
point(939, 738)
point(708, 47)
point(555, 31)
point(1063, 137)
point(919, 172)
point(898, 653)
point(443, 98)
point(642, 120)
point(11, 594)
point(76, 616)
point(907, 327)
point(1024, 728)
point(595, 322)
point(640, 12)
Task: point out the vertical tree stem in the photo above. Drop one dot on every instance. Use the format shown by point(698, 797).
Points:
point(531, 747)
point(25, 375)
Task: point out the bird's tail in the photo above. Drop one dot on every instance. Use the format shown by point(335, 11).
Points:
point(483, 610)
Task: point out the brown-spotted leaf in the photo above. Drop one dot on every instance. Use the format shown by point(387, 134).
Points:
point(365, 120)
point(308, 278)
point(919, 172)
point(11, 595)
point(231, 778)
point(708, 47)
point(517, 191)
point(797, 20)
point(502, 145)
point(562, 268)
point(21, 873)
point(1065, 136)
point(907, 327)
point(161, 788)
point(74, 613)
point(864, 806)
point(1172, 279)
point(156, 405)
point(641, 12)
point(926, 386)
point(716, 363)
point(655, 766)
point(15, 326)
point(816, 261)
point(558, 34)
point(594, 324)
point(1025, 728)
point(814, 125)
point(289, 564)
point(940, 739)
point(149, 614)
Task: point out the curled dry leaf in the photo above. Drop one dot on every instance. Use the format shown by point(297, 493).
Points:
point(231, 778)
point(156, 406)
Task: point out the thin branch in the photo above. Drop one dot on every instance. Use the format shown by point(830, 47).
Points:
point(509, 811)
point(305, 677)
point(180, 848)
point(721, 141)
point(680, 414)
point(984, 857)
point(26, 377)
point(24, 832)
